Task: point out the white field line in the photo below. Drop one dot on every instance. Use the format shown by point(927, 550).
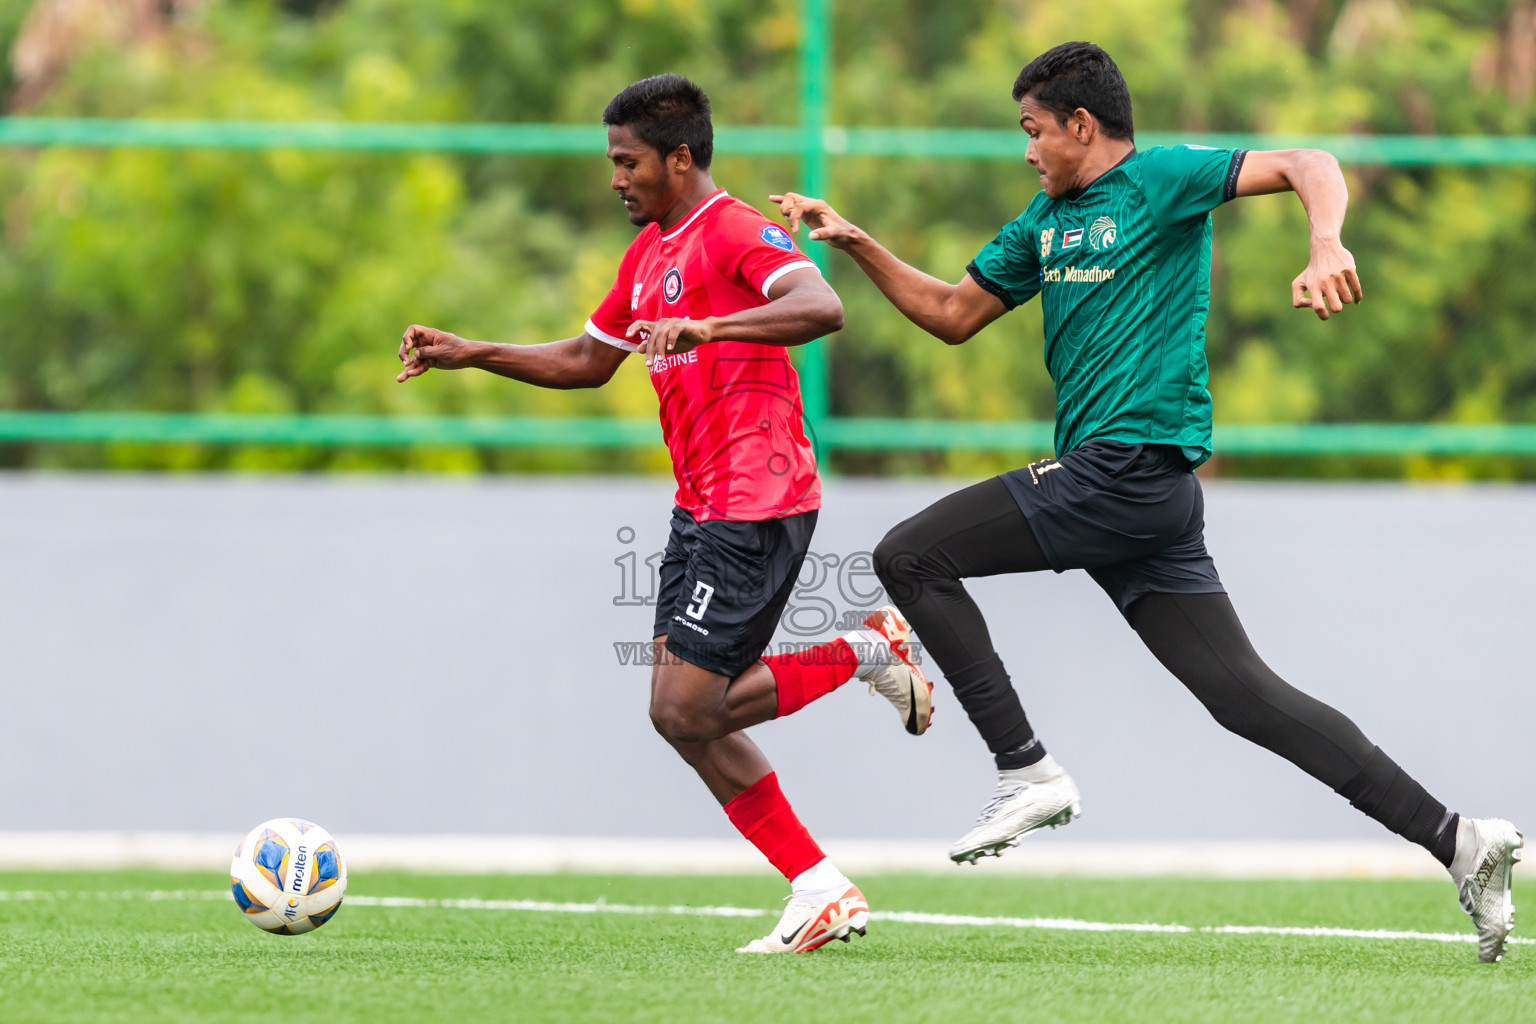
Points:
point(1065, 924)
point(439, 854)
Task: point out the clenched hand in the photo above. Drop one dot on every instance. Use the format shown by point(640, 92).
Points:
point(670, 336)
point(1329, 280)
point(433, 349)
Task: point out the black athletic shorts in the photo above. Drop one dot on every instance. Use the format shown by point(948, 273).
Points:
point(1131, 514)
point(724, 585)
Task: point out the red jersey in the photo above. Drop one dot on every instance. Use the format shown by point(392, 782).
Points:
point(730, 410)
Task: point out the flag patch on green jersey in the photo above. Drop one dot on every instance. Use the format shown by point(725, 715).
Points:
point(1072, 239)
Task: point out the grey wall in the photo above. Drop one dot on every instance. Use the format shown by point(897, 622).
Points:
point(419, 655)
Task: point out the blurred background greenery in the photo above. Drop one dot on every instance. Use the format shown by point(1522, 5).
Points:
point(250, 281)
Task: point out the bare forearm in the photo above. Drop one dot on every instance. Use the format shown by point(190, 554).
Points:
point(794, 319)
point(1319, 183)
point(557, 364)
point(925, 300)
point(1330, 279)
point(950, 312)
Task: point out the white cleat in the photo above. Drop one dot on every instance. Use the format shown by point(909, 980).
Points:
point(1025, 800)
point(894, 676)
point(1486, 851)
point(811, 924)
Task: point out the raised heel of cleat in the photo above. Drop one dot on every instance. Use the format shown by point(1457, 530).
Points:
point(848, 931)
point(1067, 815)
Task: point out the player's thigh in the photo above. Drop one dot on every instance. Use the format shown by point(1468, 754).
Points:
point(976, 531)
point(677, 685)
point(682, 692)
point(672, 573)
point(1182, 567)
point(1107, 502)
point(739, 577)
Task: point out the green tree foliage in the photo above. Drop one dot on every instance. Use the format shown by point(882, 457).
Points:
point(240, 281)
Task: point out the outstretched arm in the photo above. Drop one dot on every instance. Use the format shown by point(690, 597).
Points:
point(953, 313)
point(583, 362)
point(1330, 279)
point(802, 307)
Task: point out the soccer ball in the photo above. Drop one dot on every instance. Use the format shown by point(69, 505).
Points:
point(288, 876)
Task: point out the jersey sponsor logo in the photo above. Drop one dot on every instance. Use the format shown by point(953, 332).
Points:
point(1045, 242)
point(1072, 239)
point(661, 364)
point(634, 297)
point(1078, 275)
point(777, 237)
point(1102, 233)
point(672, 285)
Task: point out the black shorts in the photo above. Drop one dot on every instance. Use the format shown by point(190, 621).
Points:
point(1130, 514)
point(724, 585)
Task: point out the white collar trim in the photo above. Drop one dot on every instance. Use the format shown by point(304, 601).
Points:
point(706, 204)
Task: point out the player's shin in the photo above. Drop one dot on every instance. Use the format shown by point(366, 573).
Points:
point(1382, 790)
point(763, 815)
point(823, 904)
point(808, 675)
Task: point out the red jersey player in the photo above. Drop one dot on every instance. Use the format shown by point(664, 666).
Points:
point(712, 293)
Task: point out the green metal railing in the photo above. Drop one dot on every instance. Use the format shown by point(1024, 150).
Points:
point(833, 434)
point(814, 142)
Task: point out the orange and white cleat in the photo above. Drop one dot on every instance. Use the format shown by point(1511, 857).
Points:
point(811, 924)
point(892, 673)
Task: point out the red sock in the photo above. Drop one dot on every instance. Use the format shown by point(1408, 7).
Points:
point(763, 815)
point(811, 674)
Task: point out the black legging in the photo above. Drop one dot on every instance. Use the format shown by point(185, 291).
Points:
point(980, 531)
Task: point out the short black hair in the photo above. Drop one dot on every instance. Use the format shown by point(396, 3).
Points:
point(1074, 75)
point(666, 111)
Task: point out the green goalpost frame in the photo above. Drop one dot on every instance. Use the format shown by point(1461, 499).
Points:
point(814, 141)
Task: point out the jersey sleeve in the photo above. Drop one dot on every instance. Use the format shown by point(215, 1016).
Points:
point(745, 246)
point(1188, 182)
point(1009, 265)
point(616, 312)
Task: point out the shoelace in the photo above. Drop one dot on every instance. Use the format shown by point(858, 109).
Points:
point(1465, 896)
point(997, 802)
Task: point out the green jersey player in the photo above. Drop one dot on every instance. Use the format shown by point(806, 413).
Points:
point(1117, 247)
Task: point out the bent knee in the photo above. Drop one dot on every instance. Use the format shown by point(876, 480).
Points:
point(1239, 719)
point(897, 556)
point(1259, 709)
point(679, 723)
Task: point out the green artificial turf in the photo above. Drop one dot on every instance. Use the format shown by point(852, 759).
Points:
point(105, 950)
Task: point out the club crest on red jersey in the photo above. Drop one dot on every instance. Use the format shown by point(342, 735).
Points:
point(672, 285)
point(777, 237)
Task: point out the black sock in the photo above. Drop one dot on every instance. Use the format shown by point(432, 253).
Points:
point(1021, 756)
point(1445, 840)
point(1387, 793)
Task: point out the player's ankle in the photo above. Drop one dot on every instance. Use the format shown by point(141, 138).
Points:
point(823, 879)
point(871, 649)
point(1024, 755)
point(1042, 770)
point(1443, 846)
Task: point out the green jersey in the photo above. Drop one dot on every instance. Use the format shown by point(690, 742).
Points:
point(1123, 270)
